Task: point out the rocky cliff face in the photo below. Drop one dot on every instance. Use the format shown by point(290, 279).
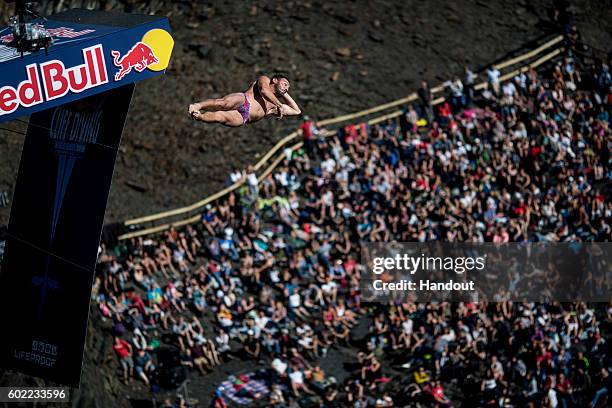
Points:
point(341, 57)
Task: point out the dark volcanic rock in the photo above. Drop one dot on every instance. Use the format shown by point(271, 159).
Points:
point(375, 36)
point(343, 51)
point(235, 42)
point(201, 50)
point(345, 18)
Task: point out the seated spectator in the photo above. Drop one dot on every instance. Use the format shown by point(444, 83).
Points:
point(222, 340)
point(276, 396)
point(252, 347)
point(385, 401)
point(211, 353)
point(271, 346)
point(438, 394)
point(421, 376)
point(316, 377)
point(279, 369)
point(371, 372)
point(604, 385)
point(187, 359)
point(143, 363)
point(297, 381)
point(197, 354)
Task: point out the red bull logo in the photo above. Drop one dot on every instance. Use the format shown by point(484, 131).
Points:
point(139, 57)
point(152, 52)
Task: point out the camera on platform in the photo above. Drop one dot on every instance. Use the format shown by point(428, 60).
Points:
point(28, 36)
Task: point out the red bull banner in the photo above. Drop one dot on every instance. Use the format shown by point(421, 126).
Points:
point(84, 59)
point(78, 96)
point(54, 232)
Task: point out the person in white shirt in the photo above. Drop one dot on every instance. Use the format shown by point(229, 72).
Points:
point(329, 164)
point(261, 320)
point(457, 98)
point(509, 91)
point(279, 367)
point(493, 75)
point(330, 289)
point(297, 382)
point(295, 302)
point(222, 340)
point(552, 398)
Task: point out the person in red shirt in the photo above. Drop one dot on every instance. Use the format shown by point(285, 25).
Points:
point(544, 357)
point(438, 393)
point(564, 389)
point(308, 128)
point(309, 131)
point(124, 352)
point(350, 134)
point(445, 113)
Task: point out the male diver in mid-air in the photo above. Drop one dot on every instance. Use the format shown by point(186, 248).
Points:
point(266, 96)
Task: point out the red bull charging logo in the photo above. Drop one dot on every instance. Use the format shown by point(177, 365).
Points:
point(139, 58)
point(152, 52)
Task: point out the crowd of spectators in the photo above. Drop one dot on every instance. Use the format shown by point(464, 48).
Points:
point(271, 273)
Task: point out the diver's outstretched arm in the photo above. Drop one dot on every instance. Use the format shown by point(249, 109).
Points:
point(290, 108)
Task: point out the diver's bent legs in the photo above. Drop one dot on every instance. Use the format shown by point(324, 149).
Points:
point(228, 103)
point(231, 118)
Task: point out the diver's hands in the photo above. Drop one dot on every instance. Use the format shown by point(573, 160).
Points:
point(278, 110)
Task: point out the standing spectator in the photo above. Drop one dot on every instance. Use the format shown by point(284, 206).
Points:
point(124, 352)
point(252, 181)
point(410, 119)
point(604, 80)
point(469, 82)
point(309, 132)
point(493, 75)
point(426, 97)
point(456, 91)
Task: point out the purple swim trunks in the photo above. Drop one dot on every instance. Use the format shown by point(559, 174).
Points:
point(245, 110)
